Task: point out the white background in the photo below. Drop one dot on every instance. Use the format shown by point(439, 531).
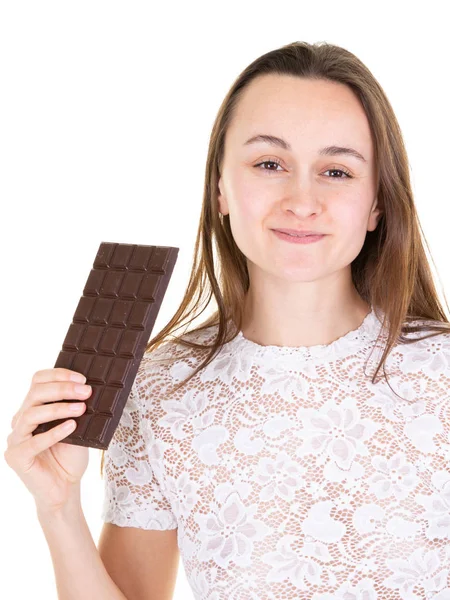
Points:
point(106, 109)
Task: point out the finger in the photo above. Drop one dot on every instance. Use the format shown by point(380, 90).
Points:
point(57, 374)
point(35, 396)
point(54, 391)
point(14, 419)
point(35, 415)
point(22, 457)
point(43, 394)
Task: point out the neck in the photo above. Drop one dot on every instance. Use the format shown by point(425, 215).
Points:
point(311, 326)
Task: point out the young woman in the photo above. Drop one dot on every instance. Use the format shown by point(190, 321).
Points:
point(260, 444)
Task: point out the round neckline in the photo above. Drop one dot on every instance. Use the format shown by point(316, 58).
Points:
point(366, 332)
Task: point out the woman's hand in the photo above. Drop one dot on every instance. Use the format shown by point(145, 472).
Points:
point(49, 468)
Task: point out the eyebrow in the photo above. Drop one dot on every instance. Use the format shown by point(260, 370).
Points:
point(327, 151)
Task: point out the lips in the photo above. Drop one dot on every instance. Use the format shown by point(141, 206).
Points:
point(296, 233)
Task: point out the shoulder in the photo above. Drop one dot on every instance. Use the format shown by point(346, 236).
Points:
point(173, 350)
point(430, 334)
point(427, 351)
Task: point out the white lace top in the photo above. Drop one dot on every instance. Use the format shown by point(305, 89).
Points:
point(288, 473)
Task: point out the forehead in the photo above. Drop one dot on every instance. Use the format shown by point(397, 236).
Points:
point(307, 113)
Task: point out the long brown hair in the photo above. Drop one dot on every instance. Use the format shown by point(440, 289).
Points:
point(391, 272)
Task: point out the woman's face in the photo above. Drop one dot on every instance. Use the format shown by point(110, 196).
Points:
point(307, 190)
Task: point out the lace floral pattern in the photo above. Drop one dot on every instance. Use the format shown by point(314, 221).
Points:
point(288, 474)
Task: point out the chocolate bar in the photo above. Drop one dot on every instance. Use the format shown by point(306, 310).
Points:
point(109, 333)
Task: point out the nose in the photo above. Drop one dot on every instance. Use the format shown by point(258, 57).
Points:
point(301, 199)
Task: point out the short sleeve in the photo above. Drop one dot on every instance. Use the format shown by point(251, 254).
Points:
point(133, 496)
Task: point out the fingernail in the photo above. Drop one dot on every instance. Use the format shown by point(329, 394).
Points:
point(78, 377)
point(83, 389)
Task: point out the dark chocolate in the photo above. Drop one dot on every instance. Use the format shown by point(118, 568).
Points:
point(110, 331)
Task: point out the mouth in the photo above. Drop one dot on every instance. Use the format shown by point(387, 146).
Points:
point(298, 238)
point(298, 234)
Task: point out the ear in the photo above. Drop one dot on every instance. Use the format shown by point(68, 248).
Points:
point(374, 217)
point(223, 204)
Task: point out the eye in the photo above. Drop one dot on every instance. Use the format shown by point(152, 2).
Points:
point(346, 173)
point(268, 162)
point(333, 170)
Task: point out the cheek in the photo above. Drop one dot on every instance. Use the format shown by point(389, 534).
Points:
point(250, 208)
point(351, 229)
point(249, 221)
point(356, 217)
